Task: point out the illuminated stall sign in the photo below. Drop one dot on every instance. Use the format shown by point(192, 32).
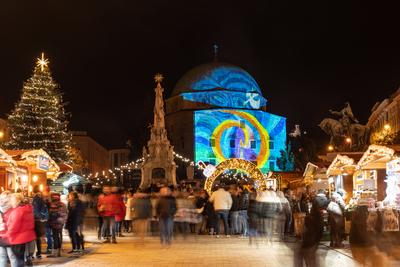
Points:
point(393, 166)
point(43, 163)
point(253, 135)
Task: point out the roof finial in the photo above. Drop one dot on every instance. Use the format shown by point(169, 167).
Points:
point(215, 46)
point(158, 78)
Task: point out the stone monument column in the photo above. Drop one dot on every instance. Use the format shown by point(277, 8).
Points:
point(160, 153)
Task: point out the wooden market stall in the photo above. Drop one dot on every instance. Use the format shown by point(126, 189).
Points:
point(39, 167)
point(340, 173)
point(369, 179)
point(8, 170)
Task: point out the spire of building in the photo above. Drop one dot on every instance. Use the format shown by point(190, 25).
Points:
point(215, 46)
point(159, 114)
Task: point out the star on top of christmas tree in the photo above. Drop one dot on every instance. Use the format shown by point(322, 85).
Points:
point(42, 62)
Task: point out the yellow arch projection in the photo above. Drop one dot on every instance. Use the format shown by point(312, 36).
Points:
point(239, 164)
point(264, 153)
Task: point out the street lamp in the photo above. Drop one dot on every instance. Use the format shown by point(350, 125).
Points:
point(386, 127)
point(330, 148)
point(1, 134)
point(348, 141)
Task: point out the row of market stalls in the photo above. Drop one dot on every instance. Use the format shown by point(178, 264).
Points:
point(25, 169)
point(373, 175)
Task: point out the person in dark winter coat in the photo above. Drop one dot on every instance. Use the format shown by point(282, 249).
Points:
point(142, 213)
point(201, 202)
point(313, 230)
point(234, 212)
point(244, 198)
point(75, 212)
point(57, 219)
point(322, 199)
point(41, 214)
point(166, 209)
point(254, 217)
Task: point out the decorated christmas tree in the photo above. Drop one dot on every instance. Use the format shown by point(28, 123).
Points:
point(38, 119)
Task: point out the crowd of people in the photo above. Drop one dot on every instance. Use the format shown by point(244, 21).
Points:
point(234, 210)
point(25, 220)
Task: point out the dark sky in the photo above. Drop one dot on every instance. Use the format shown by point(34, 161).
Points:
point(307, 56)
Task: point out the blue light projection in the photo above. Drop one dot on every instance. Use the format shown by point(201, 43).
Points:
point(253, 135)
point(222, 98)
point(226, 77)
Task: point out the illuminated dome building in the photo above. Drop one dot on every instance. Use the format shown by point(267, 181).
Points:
point(217, 111)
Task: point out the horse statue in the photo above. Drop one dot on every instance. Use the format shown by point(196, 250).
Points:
point(346, 126)
point(331, 127)
point(360, 133)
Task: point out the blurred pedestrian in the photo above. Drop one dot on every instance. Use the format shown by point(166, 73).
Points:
point(360, 240)
point(75, 211)
point(243, 207)
point(57, 219)
point(119, 215)
point(201, 201)
point(234, 211)
point(108, 206)
point(285, 215)
point(336, 220)
point(41, 214)
point(142, 213)
point(222, 201)
point(20, 228)
point(129, 214)
point(6, 252)
point(166, 209)
point(269, 210)
point(312, 234)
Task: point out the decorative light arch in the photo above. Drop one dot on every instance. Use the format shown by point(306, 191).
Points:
point(240, 164)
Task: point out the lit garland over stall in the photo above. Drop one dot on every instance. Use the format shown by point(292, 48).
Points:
point(239, 164)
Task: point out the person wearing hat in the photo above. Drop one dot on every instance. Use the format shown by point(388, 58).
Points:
point(56, 221)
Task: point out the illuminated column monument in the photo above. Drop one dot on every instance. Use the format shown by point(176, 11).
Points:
point(158, 165)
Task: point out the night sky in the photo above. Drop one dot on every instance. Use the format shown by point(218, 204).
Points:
point(307, 56)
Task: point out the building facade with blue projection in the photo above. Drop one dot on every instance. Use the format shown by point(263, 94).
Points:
point(217, 112)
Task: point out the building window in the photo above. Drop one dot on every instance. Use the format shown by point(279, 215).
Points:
point(272, 165)
point(212, 142)
point(271, 144)
point(116, 160)
point(232, 143)
point(253, 144)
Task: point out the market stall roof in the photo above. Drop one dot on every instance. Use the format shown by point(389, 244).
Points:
point(30, 157)
point(6, 159)
point(343, 164)
point(314, 172)
point(376, 157)
point(65, 167)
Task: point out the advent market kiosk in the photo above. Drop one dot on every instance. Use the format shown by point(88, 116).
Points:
point(8, 170)
point(39, 166)
point(369, 181)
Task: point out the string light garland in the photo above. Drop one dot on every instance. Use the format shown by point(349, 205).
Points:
point(239, 164)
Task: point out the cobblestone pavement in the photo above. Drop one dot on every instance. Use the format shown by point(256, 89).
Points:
point(201, 251)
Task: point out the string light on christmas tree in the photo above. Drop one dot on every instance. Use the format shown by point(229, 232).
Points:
point(38, 120)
